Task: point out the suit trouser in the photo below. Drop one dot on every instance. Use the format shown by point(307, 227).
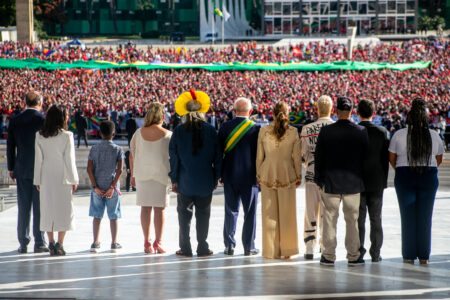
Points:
point(279, 218)
point(313, 216)
point(416, 193)
point(234, 195)
point(373, 202)
point(185, 207)
point(84, 136)
point(27, 199)
point(331, 204)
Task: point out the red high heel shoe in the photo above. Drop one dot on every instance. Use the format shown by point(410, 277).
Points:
point(148, 248)
point(158, 248)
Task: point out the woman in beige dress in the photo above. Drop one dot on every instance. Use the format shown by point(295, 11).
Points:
point(149, 165)
point(55, 176)
point(278, 170)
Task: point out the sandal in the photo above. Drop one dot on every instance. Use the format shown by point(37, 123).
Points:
point(181, 253)
point(51, 248)
point(157, 247)
point(148, 248)
point(59, 250)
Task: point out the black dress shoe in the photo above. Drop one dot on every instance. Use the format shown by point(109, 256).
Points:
point(309, 256)
point(40, 249)
point(251, 252)
point(182, 253)
point(376, 259)
point(205, 254)
point(22, 250)
point(229, 251)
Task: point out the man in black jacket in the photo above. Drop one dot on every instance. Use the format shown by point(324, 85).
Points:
point(375, 173)
point(130, 127)
point(20, 153)
point(340, 151)
point(82, 125)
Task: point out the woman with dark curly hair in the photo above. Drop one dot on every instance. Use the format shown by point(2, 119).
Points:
point(278, 170)
point(55, 176)
point(415, 152)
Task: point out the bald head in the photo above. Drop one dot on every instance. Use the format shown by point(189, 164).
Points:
point(242, 106)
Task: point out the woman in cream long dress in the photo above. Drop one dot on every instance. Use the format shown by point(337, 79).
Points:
point(149, 162)
point(55, 174)
point(278, 170)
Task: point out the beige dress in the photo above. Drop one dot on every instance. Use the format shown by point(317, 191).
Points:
point(278, 168)
point(55, 172)
point(151, 169)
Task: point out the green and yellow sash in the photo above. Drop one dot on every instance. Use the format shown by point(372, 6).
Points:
point(237, 134)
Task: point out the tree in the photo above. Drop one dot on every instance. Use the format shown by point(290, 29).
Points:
point(144, 12)
point(51, 12)
point(437, 22)
point(425, 23)
point(7, 12)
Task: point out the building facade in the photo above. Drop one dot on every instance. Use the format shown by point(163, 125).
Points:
point(128, 17)
point(282, 17)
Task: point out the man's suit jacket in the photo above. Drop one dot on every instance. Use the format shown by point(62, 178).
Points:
point(376, 161)
point(81, 124)
point(239, 165)
point(20, 146)
point(196, 174)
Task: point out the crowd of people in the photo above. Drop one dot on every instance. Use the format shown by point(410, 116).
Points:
point(346, 163)
point(247, 52)
point(125, 93)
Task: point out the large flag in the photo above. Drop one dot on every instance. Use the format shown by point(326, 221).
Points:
point(226, 14)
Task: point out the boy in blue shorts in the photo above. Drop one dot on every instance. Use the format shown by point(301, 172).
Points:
point(104, 168)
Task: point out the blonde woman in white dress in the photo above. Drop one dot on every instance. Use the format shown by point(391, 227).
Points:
point(149, 165)
point(55, 176)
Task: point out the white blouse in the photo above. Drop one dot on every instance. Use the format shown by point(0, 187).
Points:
point(150, 158)
point(398, 146)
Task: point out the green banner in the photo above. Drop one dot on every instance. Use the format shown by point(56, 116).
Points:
point(215, 67)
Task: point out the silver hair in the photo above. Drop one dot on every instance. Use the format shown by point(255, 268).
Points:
point(238, 108)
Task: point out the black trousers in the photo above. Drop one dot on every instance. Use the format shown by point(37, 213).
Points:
point(372, 202)
point(185, 207)
point(84, 136)
point(27, 200)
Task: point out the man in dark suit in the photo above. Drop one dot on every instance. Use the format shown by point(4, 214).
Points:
point(375, 174)
point(340, 151)
point(195, 162)
point(81, 123)
point(20, 152)
point(213, 121)
point(239, 176)
point(130, 127)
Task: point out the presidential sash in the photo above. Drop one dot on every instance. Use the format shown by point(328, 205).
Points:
point(237, 134)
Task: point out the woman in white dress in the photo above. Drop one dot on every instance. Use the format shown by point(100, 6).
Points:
point(55, 176)
point(149, 165)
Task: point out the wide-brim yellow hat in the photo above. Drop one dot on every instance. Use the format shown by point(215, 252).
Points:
point(201, 97)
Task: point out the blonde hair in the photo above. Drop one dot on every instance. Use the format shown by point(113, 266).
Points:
point(155, 114)
point(281, 119)
point(324, 105)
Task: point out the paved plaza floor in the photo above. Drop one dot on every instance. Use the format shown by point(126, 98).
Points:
point(130, 274)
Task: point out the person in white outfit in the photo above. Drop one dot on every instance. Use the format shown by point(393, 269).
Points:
point(313, 203)
point(55, 176)
point(149, 166)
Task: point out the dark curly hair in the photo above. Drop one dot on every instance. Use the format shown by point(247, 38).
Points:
point(419, 144)
point(55, 121)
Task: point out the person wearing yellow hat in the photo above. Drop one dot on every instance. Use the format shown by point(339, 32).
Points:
point(195, 168)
